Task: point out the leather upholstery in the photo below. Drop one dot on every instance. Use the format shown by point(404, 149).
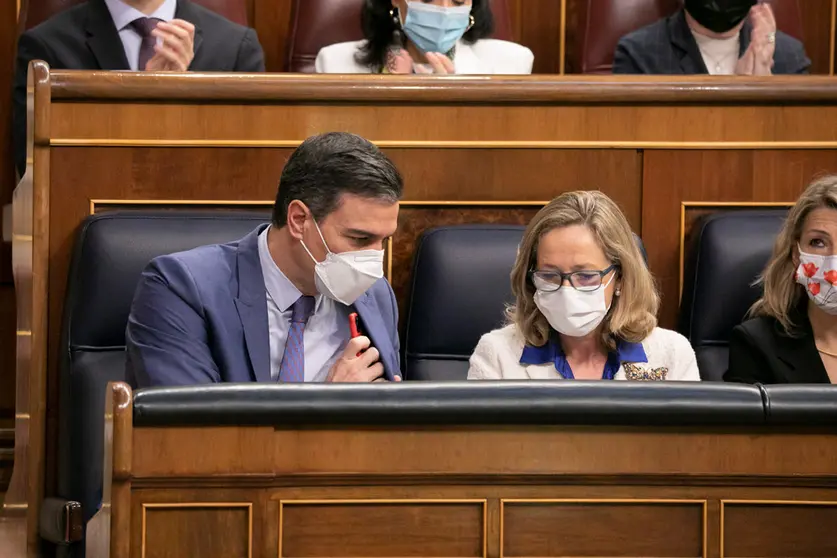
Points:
point(446, 318)
point(316, 24)
point(33, 12)
point(452, 403)
point(799, 404)
point(727, 253)
point(460, 289)
point(607, 21)
point(110, 253)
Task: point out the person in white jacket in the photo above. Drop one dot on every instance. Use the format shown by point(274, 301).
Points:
point(426, 37)
point(586, 304)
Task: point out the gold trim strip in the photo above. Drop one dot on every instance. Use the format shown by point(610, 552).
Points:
point(709, 205)
point(390, 144)
point(23, 333)
point(16, 506)
point(269, 203)
point(21, 416)
point(197, 505)
point(384, 501)
point(22, 238)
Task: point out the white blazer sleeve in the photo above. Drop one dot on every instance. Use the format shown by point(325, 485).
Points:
point(684, 363)
point(485, 363)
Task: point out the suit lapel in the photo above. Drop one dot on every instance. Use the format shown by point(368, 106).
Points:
point(373, 327)
point(186, 11)
point(801, 358)
point(103, 38)
point(252, 305)
point(691, 60)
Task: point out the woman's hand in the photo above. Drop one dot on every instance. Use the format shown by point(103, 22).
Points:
point(400, 62)
point(758, 60)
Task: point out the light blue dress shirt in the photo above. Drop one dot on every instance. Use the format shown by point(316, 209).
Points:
point(123, 14)
point(326, 333)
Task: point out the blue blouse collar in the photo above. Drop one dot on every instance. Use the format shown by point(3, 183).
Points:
point(552, 352)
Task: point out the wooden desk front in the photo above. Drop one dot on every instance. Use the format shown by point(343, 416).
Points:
point(464, 491)
point(472, 149)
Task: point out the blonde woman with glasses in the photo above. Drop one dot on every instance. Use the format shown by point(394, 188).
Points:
point(586, 304)
point(792, 336)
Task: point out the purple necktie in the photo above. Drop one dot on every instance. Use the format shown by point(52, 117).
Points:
point(292, 368)
point(144, 26)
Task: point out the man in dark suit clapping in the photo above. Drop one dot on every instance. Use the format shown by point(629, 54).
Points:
point(140, 35)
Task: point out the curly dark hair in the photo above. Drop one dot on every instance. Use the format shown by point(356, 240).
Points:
point(380, 30)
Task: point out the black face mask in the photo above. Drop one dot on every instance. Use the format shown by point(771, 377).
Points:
point(719, 16)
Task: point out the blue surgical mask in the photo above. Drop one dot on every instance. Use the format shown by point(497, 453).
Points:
point(436, 29)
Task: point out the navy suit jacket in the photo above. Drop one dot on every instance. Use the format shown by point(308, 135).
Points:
point(84, 37)
point(667, 47)
point(201, 317)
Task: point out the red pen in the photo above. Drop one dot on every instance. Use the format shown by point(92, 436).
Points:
point(353, 327)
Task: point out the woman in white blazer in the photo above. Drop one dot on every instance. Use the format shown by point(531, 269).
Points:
point(426, 37)
point(585, 306)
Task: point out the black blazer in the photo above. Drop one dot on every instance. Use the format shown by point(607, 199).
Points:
point(85, 38)
point(760, 352)
point(668, 47)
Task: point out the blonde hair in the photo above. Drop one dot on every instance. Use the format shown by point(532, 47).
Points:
point(781, 292)
point(633, 314)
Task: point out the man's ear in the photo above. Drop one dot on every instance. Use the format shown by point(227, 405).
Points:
point(298, 213)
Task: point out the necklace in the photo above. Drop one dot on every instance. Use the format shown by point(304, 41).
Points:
point(717, 61)
point(827, 353)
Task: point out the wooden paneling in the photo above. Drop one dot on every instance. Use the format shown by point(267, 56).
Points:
point(216, 530)
point(773, 529)
point(353, 529)
point(373, 490)
point(7, 358)
point(817, 18)
point(603, 528)
point(538, 25)
point(271, 20)
point(672, 177)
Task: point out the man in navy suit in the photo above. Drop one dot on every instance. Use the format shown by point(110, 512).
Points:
point(275, 305)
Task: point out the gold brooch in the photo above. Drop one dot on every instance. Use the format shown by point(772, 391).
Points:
point(636, 372)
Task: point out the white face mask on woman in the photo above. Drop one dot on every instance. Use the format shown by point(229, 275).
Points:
point(572, 312)
point(818, 274)
point(346, 276)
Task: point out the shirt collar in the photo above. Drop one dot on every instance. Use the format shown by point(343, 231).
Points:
point(278, 286)
point(552, 352)
point(123, 14)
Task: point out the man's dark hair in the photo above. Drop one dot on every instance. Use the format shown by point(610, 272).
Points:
point(379, 30)
point(327, 166)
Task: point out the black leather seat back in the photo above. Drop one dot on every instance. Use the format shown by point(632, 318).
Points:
point(461, 287)
point(110, 253)
point(727, 253)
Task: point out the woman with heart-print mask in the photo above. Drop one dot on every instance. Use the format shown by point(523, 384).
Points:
point(585, 304)
point(792, 336)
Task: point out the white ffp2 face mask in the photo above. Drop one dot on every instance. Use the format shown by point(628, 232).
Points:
point(346, 276)
point(818, 274)
point(572, 312)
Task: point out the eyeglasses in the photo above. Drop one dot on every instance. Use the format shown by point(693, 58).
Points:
point(580, 280)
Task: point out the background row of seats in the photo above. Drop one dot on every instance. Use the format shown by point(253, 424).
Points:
point(318, 23)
